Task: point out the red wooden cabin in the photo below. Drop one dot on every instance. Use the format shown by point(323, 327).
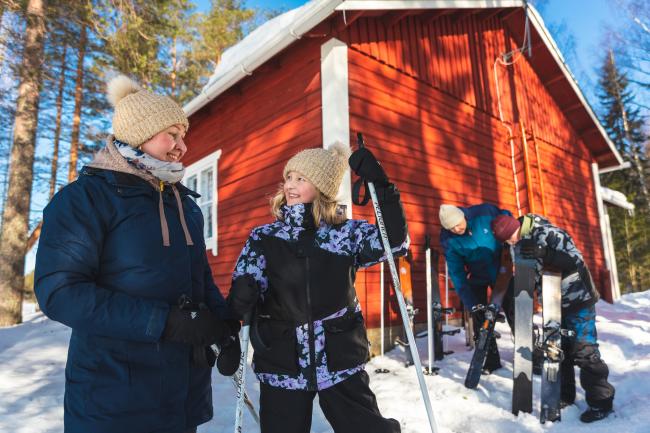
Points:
point(421, 80)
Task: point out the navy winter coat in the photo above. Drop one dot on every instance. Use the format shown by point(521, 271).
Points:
point(102, 269)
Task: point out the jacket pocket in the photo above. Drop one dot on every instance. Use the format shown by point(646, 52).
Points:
point(129, 379)
point(275, 346)
point(346, 342)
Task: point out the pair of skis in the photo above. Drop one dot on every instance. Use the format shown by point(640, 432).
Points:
point(548, 340)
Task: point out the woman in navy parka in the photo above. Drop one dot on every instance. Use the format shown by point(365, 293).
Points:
point(119, 248)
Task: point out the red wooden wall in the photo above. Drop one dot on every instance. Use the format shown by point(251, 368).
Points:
point(422, 90)
point(424, 94)
point(258, 125)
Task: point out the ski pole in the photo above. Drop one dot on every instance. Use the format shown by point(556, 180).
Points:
point(400, 299)
point(247, 401)
point(382, 302)
point(430, 327)
point(241, 374)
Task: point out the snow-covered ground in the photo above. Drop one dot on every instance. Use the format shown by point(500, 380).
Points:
point(32, 360)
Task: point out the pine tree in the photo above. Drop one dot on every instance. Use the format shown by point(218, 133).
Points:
point(625, 128)
point(15, 219)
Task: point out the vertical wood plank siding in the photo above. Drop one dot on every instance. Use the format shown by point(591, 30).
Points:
point(258, 125)
point(423, 92)
point(425, 97)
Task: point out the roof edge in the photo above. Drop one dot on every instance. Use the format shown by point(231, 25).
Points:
point(264, 52)
point(323, 9)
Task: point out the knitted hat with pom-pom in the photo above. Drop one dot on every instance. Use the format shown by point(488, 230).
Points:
point(141, 114)
point(323, 167)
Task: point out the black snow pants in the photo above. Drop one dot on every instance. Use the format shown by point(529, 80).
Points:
point(349, 406)
point(582, 350)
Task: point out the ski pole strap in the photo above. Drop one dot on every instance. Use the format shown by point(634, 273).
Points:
point(356, 191)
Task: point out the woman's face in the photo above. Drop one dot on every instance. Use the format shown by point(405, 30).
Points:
point(167, 145)
point(297, 189)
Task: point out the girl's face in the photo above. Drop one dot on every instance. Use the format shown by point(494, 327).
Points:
point(297, 189)
point(516, 236)
point(167, 145)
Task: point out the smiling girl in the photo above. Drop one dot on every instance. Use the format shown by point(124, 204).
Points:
point(298, 274)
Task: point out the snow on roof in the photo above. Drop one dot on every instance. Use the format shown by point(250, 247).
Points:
point(242, 51)
point(616, 198)
point(259, 46)
point(278, 33)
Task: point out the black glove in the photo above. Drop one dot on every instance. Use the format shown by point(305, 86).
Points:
point(393, 213)
point(229, 356)
point(366, 166)
point(531, 250)
point(243, 295)
point(197, 327)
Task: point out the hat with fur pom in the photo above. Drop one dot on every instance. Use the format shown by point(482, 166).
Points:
point(323, 167)
point(141, 114)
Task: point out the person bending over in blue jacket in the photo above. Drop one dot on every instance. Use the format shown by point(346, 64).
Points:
point(121, 260)
point(474, 261)
point(297, 274)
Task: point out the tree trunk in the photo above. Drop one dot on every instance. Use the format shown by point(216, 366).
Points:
point(78, 101)
point(15, 218)
point(174, 68)
point(57, 128)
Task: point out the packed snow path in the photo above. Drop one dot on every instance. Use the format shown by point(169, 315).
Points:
point(32, 361)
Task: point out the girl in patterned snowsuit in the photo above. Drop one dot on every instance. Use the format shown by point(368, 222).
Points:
point(554, 249)
point(298, 274)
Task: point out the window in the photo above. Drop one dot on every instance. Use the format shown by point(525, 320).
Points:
point(201, 177)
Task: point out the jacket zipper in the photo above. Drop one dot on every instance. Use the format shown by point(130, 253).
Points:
point(310, 325)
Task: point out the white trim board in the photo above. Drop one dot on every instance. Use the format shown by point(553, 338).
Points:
point(336, 107)
point(194, 169)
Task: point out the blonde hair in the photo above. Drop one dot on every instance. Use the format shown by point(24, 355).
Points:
point(322, 209)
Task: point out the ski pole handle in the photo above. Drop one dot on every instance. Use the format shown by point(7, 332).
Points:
point(360, 140)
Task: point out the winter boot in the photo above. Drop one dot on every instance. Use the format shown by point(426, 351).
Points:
point(595, 414)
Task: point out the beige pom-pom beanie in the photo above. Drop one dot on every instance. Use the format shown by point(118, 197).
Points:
point(140, 114)
point(450, 216)
point(323, 167)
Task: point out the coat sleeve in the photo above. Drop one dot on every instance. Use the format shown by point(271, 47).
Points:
point(456, 269)
point(67, 266)
point(213, 296)
point(252, 262)
point(369, 246)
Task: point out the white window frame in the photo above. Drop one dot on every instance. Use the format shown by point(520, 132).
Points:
point(195, 169)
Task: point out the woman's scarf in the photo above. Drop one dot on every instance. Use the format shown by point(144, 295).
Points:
point(170, 172)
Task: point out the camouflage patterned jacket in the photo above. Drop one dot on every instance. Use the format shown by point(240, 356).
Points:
point(578, 289)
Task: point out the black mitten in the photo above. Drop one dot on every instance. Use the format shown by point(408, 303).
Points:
point(393, 213)
point(366, 166)
point(229, 356)
point(199, 328)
